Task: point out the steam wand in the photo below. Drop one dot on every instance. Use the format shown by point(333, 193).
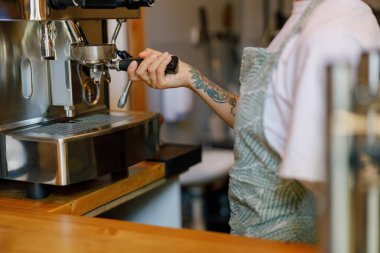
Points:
point(123, 98)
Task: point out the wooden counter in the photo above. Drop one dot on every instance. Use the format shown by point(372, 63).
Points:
point(23, 231)
point(45, 226)
point(89, 198)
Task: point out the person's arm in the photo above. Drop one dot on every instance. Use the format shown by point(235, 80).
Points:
point(152, 71)
point(222, 102)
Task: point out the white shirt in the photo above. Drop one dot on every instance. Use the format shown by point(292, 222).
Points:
point(294, 113)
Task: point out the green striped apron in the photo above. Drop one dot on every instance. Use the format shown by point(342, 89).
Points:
point(263, 205)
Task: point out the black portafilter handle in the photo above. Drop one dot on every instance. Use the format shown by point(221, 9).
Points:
point(172, 67)
point(99, 4)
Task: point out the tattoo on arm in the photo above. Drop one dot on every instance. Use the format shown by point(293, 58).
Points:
point(212, 90)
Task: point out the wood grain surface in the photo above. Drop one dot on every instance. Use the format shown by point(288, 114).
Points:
point(23, 231)
point(82, 198)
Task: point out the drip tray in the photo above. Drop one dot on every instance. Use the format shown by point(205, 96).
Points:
point(77, 149)
point(75, 128)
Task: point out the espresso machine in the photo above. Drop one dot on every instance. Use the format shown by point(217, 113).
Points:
point(55, 128)
point(353, 145)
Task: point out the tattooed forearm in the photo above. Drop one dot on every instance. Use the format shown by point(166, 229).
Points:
point(212, 90)
point(233, 102)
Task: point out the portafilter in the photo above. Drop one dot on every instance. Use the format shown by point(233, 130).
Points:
point(99, 57)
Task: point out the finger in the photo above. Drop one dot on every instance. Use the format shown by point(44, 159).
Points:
point(161, 76)
point(143, 54)
point(147, 52)
point(154, 71)
point(132, 71)
point(142, 70)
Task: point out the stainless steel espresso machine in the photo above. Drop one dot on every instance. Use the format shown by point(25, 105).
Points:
point(55, 128)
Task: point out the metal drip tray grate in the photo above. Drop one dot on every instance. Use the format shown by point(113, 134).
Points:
point(75, 126)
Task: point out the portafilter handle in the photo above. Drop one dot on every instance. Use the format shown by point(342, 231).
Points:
point(122, 64)
point(99, 4)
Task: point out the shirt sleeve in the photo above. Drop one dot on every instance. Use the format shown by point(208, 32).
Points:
point(305, 149)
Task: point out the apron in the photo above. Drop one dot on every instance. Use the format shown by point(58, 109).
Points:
point(263, 205)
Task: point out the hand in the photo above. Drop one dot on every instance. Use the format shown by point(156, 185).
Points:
point(152, 71)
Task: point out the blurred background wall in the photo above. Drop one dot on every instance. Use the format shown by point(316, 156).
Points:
point(210, 35)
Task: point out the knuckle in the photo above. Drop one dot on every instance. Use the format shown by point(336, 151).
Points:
point(140, 73)
point(161, 68)
point(152, 57)
point(152, 70)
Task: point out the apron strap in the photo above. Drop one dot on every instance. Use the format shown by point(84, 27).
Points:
point(297, 27)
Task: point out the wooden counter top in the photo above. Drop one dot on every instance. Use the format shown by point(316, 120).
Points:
point(45, 226)
point(28, 231)
point(88, 198)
